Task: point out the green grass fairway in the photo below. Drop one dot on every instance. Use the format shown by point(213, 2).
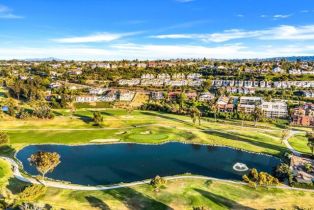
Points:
point(178, 195)
point(299, 143)
point(5, 172)
point(79, 129)
point(153, 128)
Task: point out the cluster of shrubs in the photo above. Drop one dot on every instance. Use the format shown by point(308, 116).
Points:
point(255, 178)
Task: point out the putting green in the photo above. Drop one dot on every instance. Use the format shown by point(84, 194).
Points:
point(147, 137)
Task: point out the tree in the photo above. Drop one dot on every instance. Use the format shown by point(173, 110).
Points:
point(257, 114)
point(255, 178)
point(310, 141)
point(45, 161)
point(214, 109)
point(308, 167)
point(283, 171)
point(97, 118)
point(195, 114)
point(4, 138)
point(284, 134)
point(31, 193)
point(158, 182)
point(43, 111)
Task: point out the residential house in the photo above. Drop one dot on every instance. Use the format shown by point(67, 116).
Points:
point(163, 76)
point(129, 82)
point(194, 76)
point(86, 99)
point(248, 104)
point(147, 76)
point(157, 95)
point(110, 96)
point(97, 91)
point(225, 104)
point(178, 76)
point(125, 95)
point(278, 70)
point(303, 115)
point(195, 83)
point(206, 96)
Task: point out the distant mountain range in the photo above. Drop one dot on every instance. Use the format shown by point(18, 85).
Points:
point(44, 59)
point(290, 58)
point(293, 58)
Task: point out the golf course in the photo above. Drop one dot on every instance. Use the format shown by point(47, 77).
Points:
point(146, 127)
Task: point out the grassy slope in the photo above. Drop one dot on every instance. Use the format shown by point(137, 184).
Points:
point(170, 127)
point(180, 194)
point(5, 172)
point(299, 142)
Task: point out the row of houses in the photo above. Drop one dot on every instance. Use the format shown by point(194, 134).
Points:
point(205, 96)
point(300, 72)
point(156, 82)
point(176, 76)
point(108, 96)
point(241, 90)
point(241, 83)
point(307, 93)
point(247, 105)
point(262, 84)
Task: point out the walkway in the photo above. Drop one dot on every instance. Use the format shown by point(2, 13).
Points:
point(286, 142)
point(17, 174)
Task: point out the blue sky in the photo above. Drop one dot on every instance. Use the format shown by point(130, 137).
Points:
point(155, 29)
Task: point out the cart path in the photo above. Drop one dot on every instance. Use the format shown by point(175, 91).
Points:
point(17, 174)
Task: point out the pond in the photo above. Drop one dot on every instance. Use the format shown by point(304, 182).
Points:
point(115, 163)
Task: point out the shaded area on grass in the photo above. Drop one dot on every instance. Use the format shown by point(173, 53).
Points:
point(97, 203)
point(247, 139)
point(135, 200)
point(222, 202)
point(167, 117)
point(16, 186)
point(7, 150)
point(84, 118)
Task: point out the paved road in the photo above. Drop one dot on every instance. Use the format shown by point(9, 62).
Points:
point(60, 185)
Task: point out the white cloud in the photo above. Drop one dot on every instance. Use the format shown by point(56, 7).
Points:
point(6, 13)
point(57, 52)
point(153, 51)
point(305, 11)
point(184, 1)
point(174, 36)
point(280, 16)
point(286, 32)
point(283, 32)
point(100, 37)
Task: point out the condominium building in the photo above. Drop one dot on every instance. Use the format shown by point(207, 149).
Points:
point(275, 109)
point(303, 115)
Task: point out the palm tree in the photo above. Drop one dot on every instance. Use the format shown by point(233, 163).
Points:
point(195, 114)
point(214, 109)
point(284, 134)
point(257, 114)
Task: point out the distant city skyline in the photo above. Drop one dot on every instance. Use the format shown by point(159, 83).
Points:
point(156, 29)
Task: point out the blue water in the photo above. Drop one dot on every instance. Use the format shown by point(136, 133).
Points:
point(115, 163)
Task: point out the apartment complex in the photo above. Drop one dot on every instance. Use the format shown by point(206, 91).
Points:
point(272, 109)
point(303, 115)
